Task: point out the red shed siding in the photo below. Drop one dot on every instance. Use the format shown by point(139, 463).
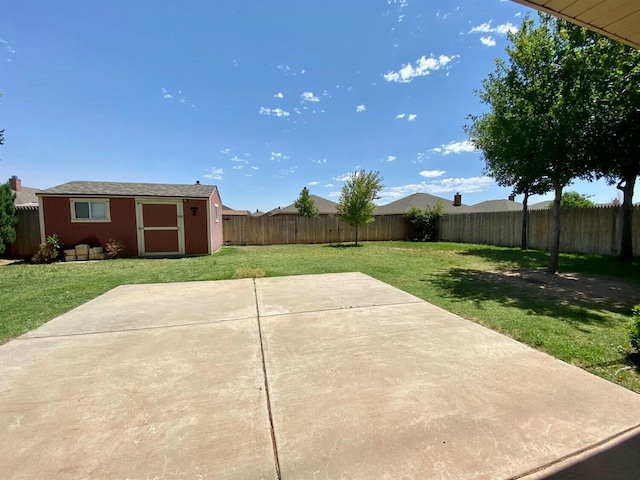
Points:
point(160, 214)
point(195, 227)
point(160, 241)
point(216, 227)
point(57, 220)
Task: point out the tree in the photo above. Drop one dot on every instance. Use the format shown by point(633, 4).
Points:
point(613, 136)
point(538, 103)
point(305, 204)
point(356, 205)
point(8, 217)
point(424, 223)
point(576, 200)
point(1, 132)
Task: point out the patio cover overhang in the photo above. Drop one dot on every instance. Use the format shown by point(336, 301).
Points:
point(617, 19)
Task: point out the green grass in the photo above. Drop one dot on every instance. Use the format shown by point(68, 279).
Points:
point(468, 280)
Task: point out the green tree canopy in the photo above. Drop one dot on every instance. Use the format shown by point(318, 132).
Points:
point(576, 200)
point(538, 109)
point(612, 140)
point(8, 217)
point(305, 204)
point(356, 205)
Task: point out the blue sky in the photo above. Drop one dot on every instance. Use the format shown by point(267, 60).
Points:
point(260, 98)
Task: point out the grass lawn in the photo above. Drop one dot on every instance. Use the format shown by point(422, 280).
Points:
point(578, 318)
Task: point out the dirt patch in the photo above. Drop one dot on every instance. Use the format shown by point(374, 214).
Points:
point(572, 286)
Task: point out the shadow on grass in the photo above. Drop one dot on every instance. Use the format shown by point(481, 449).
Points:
point(530, 297)
point(569, 262)
point(344, 245)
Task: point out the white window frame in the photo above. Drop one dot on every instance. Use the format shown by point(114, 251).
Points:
point(72, 204)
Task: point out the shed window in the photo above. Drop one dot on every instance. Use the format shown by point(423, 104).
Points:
point(90, 210)
point(217, 212)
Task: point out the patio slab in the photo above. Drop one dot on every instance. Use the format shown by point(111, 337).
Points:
point(325, 376)
point(131, 307)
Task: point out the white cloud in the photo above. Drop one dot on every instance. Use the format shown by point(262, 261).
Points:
point(432, 173)
point(214, 173)
point(419, 158)
point(253, 167)
point(488, 41)
point(329, 185)
point(279, 95)
point(279, 156)
point(286, 171)
point(391, 158)
point(412, 117)
point(238, 167)
point(439, 187)
point(401, 115)
point(423, 67)
point(274, 112)
point(454, 147)
point(225, 150)
point(334, 194)
point(235, 158)
point(361, 108)
point(309, 97)
point(166, 94)
point(313, 184)
point(319, 160)
point(502, 29)
point(342, 178)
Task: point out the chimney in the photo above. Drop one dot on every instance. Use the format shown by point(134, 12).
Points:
point(197, 182)
point(512, 197)
point(457, 200)
point(15, 183)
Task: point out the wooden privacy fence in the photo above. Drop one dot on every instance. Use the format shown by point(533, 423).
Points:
point(27, 234)
point(595, 231)
point(286, 229)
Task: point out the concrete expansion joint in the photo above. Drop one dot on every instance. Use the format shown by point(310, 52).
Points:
point(337, 309)
point(266, 387)
point(24, 338)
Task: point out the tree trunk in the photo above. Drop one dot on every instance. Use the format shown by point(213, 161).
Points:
point(555, 240)
point(626, 244)
point(525, 221)
point(356, 235)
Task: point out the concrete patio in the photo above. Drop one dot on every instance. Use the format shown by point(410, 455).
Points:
point(335, 376)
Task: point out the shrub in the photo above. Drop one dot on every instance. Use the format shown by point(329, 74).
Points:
point(49, 251)
point(634, 329)
point(424, 223)
point(114, 248)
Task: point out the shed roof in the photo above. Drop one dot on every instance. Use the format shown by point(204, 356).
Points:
point(122, 189)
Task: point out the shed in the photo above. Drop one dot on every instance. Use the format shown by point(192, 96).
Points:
point(150, 219)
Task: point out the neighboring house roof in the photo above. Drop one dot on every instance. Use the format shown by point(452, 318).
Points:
point(26, 196)
point(121, 189)
point(421, 201)
point(502, 205)
point(234, 213)
point(541, 205)
point(324, 206)
point(257, 213)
